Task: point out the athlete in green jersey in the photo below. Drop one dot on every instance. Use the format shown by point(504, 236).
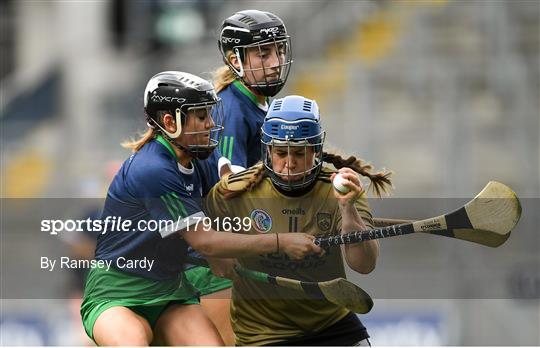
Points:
point(162, 185)
point(291, 191)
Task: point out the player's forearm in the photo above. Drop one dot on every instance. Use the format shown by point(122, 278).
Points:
point(211, 243)
point(361, 257)
point(226, 244)
point(351, 219)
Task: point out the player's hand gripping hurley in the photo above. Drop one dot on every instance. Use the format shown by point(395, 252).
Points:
point(487, 219)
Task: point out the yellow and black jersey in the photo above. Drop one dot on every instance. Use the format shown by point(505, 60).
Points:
point(264, 313)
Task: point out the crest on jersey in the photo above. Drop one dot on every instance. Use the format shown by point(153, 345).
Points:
point(262, 221)
point(324, 221)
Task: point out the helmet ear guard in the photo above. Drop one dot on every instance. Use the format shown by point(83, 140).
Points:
point(239, 57)
point(178, 121)
point(154, 123)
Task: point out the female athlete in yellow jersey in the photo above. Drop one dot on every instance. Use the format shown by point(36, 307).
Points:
point(291, 191)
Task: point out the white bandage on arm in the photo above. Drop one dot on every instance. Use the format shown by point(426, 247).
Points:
point(224, 161)
point(237, 169)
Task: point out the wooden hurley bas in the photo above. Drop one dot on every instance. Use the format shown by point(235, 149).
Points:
point(487, 219)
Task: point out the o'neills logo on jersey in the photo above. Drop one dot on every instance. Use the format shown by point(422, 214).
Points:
point(297, 211)
point(262, 221)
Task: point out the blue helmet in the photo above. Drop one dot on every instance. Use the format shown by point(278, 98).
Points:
point(293, 121)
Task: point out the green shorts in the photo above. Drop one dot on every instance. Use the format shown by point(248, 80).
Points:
point(205, 282)
point(148, 298)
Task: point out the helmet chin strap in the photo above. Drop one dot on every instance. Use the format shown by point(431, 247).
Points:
point(199, 155)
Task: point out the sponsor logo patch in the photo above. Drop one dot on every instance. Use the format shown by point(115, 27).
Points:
point(324, 221)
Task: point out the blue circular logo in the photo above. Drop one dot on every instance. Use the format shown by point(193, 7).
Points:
point(262, 222)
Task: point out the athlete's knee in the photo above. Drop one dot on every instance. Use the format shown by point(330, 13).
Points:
point(135, 339)
point(121, 327)
point(125, 336)
point(186, 325)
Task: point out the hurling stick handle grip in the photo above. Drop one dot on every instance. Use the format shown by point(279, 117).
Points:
point(360, 236)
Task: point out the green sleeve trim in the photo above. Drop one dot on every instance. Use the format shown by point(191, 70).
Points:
point(231, 142)
point(224, 146)
point(180, 204)
point(170, 207)
point(174, 205)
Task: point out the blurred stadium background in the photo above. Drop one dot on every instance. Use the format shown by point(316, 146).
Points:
point(445, 93)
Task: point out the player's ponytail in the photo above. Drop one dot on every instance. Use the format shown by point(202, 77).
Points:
point(223, 76)
point(380, 181)
point(146, 137)
point(136, 144)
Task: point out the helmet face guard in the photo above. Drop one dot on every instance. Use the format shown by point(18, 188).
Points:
point(291, 181)
point(261, 77)
point(205, 141)
point(257, 34)
point(186, 97)
point(292, 122)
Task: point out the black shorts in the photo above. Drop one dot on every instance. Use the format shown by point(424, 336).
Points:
point(349, 331)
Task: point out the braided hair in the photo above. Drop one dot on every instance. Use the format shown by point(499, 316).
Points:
point(381, 181)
